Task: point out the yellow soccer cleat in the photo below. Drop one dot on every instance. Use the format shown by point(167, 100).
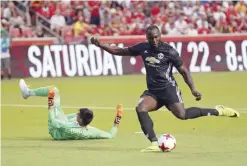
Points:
point(225, 111)
point(153, 148)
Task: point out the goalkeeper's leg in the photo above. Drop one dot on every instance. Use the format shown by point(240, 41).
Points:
point(53, 98)
point(26, 92)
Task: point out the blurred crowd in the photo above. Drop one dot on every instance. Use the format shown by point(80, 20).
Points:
point(72, 19)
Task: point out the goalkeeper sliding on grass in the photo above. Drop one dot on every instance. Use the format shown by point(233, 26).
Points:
point(73, 126)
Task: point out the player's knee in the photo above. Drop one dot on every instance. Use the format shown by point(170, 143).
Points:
point(141, 109)
point(180, 115)
point(56, 89)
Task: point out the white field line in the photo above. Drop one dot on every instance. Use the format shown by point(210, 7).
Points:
point(68, 107)
point(242, 110)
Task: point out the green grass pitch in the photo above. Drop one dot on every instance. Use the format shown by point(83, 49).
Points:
point(215, 141)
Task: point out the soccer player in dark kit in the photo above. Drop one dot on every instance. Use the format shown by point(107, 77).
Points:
point(159, 59)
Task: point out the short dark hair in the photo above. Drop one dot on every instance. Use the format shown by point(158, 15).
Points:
point(86, 115)
point(152, 27)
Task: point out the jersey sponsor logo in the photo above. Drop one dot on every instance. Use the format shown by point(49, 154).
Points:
point(78, 131)
point(145, 51)
point(152, 60)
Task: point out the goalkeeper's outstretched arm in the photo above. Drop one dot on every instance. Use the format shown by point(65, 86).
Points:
point(95, 133)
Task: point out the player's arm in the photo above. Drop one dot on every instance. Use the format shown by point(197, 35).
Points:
point(115, 50)
point(99, 134)
point(187, 77)
point(178, 63)
point(78, 133)
point(89, 132)
point(92, 132)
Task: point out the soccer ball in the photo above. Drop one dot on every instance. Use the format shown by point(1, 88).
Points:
point(166, 142)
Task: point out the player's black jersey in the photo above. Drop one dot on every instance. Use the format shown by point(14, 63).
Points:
point(158, 62)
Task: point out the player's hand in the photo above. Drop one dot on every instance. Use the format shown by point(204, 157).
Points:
point(119, 114)
point(197, 94)
point(95, 41)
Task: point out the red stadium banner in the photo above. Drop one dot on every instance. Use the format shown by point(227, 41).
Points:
point(200, 54)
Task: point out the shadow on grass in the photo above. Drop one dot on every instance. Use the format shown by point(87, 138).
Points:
point(26, 139)
point(71, 147)
point(78, 145)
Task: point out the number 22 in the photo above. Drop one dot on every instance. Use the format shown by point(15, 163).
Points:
point(202, 47)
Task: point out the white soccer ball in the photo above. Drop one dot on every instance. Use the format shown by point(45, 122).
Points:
point(166, 142)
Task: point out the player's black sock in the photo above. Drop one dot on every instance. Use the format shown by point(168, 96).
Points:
point(2, 76)
point(195, 112)
point(147, 125)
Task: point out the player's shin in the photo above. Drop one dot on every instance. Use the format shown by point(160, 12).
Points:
point(146, 125)
point(195, 112)
point(42, 91)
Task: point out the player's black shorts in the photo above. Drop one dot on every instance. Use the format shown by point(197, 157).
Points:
point(165, 97)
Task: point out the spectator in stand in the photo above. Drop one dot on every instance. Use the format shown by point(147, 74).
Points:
point(147, 22)
point(170, 28)
point(163, 29)
point(105, 13)
point(211, 23)
point(155, 9)
point(8, 11)
point(231, 14)
point(146, 9)
point(115, 18)
point(241, 7)
point(45, 10)
point(107, 17)
point(100, 29)
point(57, 21)
point(68, 16)
point(243, 25)
point(108, 31)
point(181, 25)
point(5, 54)
point(203, 29)
point(38, 32)
point(137, 29)
point(34, 7)
point(159, 23)
point(191, 30)
point(95, 17)
point(5, 24)
point(220, 24)
point(80, 27)
point(78, 13)
point(124, 30)
point(233, 27)
point(225, 28)
point(219, 13)
point(202, 20)
point(139, 13)
point(17, 21)
point(188, 9)
point(86, 12)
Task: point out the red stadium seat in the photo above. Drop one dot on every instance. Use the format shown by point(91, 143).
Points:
point(27, 32)
point(14, 32)
point(67, 31)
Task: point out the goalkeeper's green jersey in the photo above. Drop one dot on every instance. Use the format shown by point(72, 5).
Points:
point(65, 127)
